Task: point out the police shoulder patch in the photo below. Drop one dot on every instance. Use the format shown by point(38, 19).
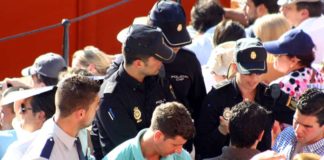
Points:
point(110, 86)
point(222, 84)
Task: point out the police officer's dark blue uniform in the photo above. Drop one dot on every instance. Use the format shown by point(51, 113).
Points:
point(223, 97)
point(127, 104)
point(185, 76)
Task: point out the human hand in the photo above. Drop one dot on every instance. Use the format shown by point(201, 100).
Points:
point(269, 155)
point(236, 15)
point(223, 125)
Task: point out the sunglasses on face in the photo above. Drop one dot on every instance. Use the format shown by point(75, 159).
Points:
point(23, 108)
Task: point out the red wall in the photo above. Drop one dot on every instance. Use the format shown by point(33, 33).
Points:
point(100, 30)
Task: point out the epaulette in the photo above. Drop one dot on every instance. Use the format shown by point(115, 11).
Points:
point(222, 84)
point(110, 86)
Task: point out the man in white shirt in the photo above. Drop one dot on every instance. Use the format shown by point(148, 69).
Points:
point(76, 102)
point(307, 15)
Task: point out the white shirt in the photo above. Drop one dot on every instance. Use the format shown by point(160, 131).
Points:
point(24, 138)
point(202, 45)
point(314, 27)
point(17, 149)
point(64, 145)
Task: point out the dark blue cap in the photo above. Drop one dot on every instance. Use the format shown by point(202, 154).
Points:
point(170, 17)
point(250, 56)
point(293, 42)
point(147, 41)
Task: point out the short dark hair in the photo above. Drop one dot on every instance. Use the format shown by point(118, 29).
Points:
point(314, 8)
point(311, 104)
point(173, 119)
point(271, 5)
point(204, 15)
point(48, 81)
point(75, 92)
point(44, 102)
point(305, 59)
point(247, 122)
point(130, 57)
point(228, 30)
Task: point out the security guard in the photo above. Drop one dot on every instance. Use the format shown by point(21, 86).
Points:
point(250, 62)
point(132, 92)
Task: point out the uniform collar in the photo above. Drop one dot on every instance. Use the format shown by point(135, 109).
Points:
point(238, 94)
point(66, 139)
point(130, 81)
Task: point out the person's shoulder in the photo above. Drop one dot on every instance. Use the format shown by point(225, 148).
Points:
point(223, 85)
point(286, 136)
point(121, 152)
point(110, 84)
point(18, 148)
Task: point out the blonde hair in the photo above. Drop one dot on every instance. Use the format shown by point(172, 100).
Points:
point(221, 57)
point(270, 27)
point(92, 55)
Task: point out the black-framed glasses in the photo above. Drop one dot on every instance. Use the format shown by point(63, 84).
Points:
point(23, 108)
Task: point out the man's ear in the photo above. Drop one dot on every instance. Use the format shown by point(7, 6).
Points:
point(92, 68)
point(138, 63)
point(158, 136)
point(41, 115)
point(304, 14)
point(80, 113)
point(261, 10)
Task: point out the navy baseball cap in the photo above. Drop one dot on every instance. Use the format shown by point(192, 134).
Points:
point(48, 65)
point(147, 40)
point(293, 42)
point(250, 56)
point(170, 17)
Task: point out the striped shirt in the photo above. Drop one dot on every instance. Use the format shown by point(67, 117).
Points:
point(286, 143)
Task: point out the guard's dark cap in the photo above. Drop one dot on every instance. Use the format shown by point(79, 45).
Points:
point(250, 56)
point(170, 17)
point(147, 41)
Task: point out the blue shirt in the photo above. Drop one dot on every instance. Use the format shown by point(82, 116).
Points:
point(6, 138)
point(286, 143)
point(131, 150)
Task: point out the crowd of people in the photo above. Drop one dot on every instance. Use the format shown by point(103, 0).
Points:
point(236, 84)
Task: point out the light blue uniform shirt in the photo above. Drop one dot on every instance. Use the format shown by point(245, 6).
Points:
point(131, 150)
point(6, 138)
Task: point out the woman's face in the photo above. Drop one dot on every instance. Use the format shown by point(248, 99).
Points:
point(283, 63)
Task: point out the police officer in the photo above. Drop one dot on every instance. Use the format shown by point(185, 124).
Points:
point(250, 62)
point(184, 73)
point(132, 92)
point(184, 76)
